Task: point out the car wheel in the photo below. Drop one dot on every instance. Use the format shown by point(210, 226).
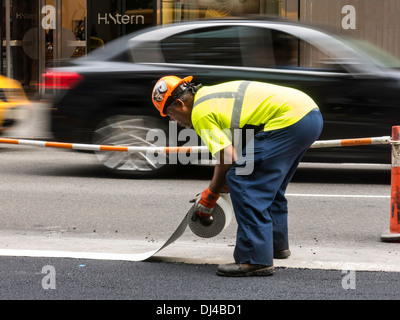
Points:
point(123, 130)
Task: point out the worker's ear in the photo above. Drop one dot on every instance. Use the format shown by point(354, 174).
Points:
point(179, 103)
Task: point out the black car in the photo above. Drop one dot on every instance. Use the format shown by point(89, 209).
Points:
point(105, 97)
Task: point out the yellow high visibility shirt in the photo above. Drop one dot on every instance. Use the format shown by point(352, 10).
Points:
point(220, 109)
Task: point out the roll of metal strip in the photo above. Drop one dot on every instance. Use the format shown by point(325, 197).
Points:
point(222, 215)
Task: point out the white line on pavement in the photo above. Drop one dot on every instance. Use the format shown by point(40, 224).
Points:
point(335, 195)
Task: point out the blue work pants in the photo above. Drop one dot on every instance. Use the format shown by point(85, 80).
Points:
point(258, 197)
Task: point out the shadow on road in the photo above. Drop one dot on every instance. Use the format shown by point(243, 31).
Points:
point(346, 175)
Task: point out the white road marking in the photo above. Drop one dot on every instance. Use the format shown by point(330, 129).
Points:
point(336, 195)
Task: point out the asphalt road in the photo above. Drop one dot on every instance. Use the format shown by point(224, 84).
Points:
point(69, 230)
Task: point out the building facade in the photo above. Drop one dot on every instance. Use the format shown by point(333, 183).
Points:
point(36, 34)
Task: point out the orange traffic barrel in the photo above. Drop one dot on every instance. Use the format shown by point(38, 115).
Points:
point(393, 234)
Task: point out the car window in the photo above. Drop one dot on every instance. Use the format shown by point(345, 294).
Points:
point(114, 50)
point(379, 56)
point(123, 56)
point(311, 57)
point(256, 47)
point(212, 46)
point(245, 46)
point(268, 48)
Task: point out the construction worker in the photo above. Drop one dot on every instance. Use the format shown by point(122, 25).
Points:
point(286, 122)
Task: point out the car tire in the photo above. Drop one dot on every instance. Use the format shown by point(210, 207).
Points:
point(125, 130)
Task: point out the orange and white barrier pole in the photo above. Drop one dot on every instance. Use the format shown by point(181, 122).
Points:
point(176, 149)
point(350, 142)
point(94, 147)
point(393, 235)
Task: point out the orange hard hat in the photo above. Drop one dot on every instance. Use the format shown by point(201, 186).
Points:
point(164, 90)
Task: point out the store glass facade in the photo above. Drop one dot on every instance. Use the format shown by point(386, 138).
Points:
point(36, 34)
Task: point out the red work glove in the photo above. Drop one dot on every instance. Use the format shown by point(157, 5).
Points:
point(208, 199)
point(204, 206)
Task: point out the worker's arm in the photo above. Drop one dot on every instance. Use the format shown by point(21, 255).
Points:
point(227, 157)
point(220, 146)
point(206, 203)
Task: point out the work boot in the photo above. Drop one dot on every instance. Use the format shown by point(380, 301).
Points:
point(282, 254)
point(244, 270)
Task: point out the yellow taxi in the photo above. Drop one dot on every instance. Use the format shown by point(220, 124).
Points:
point(13, 103)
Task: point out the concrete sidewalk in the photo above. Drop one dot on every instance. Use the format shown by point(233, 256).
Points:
point(377, 257)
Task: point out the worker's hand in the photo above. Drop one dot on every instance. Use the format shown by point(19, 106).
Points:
point(204, 206)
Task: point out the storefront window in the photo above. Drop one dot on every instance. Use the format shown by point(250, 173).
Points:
point(19, 37)
point(62, 33)
point(175, 11)
point(141, 15)
point(64, 27)
point(37, 34)
point(110, 19)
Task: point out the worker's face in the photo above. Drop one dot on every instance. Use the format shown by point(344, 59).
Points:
point(180, 113)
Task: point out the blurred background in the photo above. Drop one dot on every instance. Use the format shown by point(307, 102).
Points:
point(35, 34)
